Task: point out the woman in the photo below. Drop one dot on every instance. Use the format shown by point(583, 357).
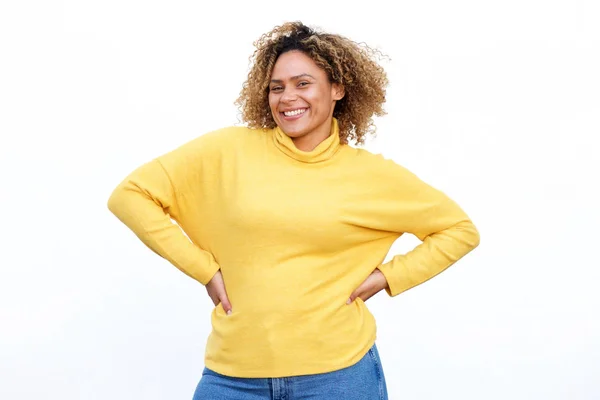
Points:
point(288, 225)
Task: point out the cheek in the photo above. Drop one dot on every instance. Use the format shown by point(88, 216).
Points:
point(272, 103)
point(316, 97)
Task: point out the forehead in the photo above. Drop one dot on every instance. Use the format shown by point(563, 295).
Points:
point(294, 63)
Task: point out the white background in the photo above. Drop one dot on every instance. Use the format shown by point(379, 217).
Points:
point(495, 103)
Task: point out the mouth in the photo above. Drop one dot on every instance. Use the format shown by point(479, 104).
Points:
point(293, 114)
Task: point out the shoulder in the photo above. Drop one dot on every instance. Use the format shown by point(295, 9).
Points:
point(225, 136)
point(375, 166)
point(213, 146)
point(219, 140)
point(366, 160)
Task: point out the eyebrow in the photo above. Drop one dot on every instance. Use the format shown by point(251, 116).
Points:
point(292, 78)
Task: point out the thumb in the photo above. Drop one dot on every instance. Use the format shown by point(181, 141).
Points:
point(225, 302)
point(352, 297)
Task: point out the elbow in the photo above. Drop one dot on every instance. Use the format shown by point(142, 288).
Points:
point(117, 201)
point(476, 237)
point(114, 201)
point(466, 234)
point(472, 236)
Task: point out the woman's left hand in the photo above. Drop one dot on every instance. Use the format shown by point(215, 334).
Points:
point(374, 283)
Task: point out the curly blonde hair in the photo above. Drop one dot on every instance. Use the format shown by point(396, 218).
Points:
point(347, 63)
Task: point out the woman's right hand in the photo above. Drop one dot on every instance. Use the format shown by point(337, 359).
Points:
point(216, 290)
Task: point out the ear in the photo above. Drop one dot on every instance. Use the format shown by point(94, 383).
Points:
point(337, 91)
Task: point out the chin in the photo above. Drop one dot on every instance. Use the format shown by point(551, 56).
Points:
point(293, 132)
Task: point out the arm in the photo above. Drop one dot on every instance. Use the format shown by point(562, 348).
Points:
point(410, 205)
point(144, 202)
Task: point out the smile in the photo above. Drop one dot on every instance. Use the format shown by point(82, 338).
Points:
point(295, 112)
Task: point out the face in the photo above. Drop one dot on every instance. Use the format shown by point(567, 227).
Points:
point(302, 99)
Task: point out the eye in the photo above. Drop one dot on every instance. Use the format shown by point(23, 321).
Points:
point(303, 83)
point(276, 88)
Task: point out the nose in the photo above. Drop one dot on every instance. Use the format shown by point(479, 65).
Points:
point(288, 96)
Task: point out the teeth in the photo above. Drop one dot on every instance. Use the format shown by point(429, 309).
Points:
point(295, 112)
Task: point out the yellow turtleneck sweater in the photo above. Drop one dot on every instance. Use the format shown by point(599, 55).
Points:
point(293, 233)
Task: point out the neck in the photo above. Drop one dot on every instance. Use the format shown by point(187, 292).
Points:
point(322, 150)
point(312, 139)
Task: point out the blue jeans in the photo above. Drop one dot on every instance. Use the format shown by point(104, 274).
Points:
point(361, 381)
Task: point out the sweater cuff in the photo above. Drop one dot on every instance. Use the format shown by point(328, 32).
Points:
point(191, 266)
point(394, 288)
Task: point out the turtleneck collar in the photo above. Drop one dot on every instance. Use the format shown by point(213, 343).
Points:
point(324, 151)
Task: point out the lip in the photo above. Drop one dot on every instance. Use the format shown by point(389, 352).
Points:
point(294, 117)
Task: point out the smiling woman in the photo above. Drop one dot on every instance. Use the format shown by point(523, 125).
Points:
point(346, 69)
point(287, 225)
point(302, 99)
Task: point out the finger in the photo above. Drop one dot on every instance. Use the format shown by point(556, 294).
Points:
point(213, 297)
point(367, 295)
point(375, 288)
point(213, 287)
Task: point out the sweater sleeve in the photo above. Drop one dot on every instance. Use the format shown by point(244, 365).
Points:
point(410, 205)
point(146, 201)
